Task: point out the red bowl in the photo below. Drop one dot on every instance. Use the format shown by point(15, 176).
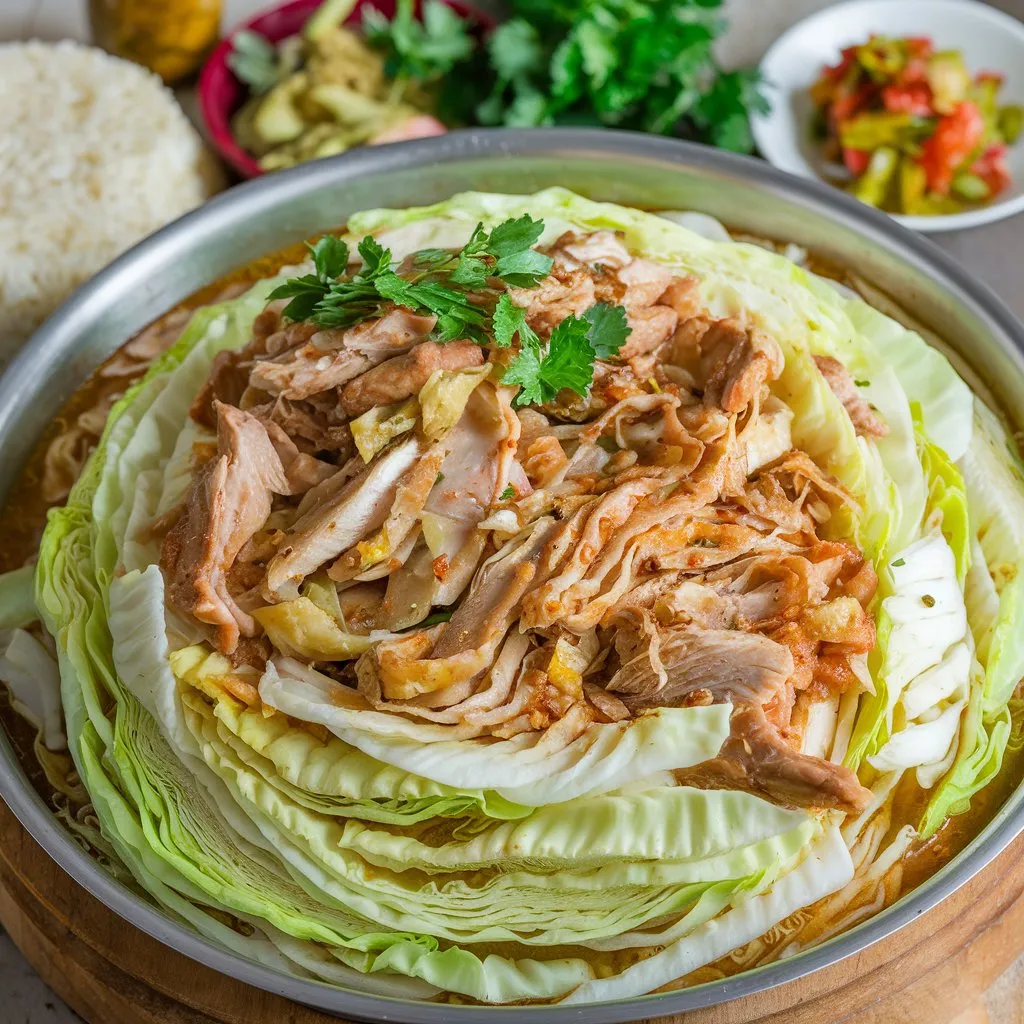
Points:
point(221, 93)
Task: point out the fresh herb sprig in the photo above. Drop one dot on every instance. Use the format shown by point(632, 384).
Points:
point(505, 254)
point(418, 49)
point(568, 360)
point(642, 64)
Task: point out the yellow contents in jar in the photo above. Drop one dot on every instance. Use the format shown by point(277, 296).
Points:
point(170, 37)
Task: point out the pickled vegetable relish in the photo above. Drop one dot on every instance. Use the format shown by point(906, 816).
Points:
point(914, 131)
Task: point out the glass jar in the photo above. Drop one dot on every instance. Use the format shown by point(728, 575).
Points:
point(170, 37)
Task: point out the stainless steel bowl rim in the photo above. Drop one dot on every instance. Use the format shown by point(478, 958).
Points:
point(53, 342)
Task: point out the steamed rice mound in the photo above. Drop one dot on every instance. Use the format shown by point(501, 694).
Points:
point(95, 154)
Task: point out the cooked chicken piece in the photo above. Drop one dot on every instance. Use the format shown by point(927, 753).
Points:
point(683, 295)
point(307, 425)
point(403, 376)
point(230, 500)
point(607, 703)
point(865, 420)
point(674, 598)
point(410, 497)
point(228, 379)
point(469, 642)
point(360, 506)
point(644, 282)
point(735, 667)
point(302, 471)
point(757, 759)
point(554, 299)
point(604, 248)
point(332, 358)
point(649, 327)
point(739, 361)
point(271, 337)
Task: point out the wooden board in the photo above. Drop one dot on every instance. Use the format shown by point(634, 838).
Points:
point(934, 971)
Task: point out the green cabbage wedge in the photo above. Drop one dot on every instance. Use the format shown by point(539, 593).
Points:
point(375, 852)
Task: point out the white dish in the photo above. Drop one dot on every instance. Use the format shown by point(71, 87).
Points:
point(989, 40)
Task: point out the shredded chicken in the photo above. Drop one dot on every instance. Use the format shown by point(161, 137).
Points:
point(655, 542)
point(230, 500)
point(865, 420)
point(331, 358)
point(403, 376)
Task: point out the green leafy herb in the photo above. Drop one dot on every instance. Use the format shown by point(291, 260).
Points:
point(568, 363)
point(608, 329)
point(899, 562)
point(254, 61)
point(641, 64)
point(376, 259)
point(330, 257)
point(456, 316)
point(862, 383)
point(508, 494)
point(440, 284)
point(415, 48)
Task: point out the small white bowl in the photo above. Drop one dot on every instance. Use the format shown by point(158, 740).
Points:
point(989, 40)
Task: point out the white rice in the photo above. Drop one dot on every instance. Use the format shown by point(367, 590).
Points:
point(95, 154)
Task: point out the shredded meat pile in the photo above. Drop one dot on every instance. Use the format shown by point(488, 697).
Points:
point(657, 543)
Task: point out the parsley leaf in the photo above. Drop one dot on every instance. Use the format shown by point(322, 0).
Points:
point(608, 329)
point(508, 494)
point(376, 258)
point(254, 61)
point(456, 316)
point(418, 49)
point(514, 236)
point(509, 320)
point(524, 370)
point(523, 269)
point(568, 363)
point(642, 64)
point(330, 257)
point(305, 292)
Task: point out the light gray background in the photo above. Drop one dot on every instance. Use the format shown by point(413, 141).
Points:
point(994, 253)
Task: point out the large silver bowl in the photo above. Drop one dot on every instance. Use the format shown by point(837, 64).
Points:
point(638, 170)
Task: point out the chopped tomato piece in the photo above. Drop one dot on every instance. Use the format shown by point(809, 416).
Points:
point(846, 105)
point(856, 161)
point(919, 46)
point(915, 70)
point(913, 99)
point(956, 136)
point(991, 168)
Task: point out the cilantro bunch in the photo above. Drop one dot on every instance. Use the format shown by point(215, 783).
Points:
point(647, 65)
point(453, 287)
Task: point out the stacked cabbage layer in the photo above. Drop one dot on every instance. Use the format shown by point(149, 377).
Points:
point(358, 848)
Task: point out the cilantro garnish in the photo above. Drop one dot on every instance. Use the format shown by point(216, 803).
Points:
point(568, 362)
point(443, 283)
point(414, 48)
point(645, 65)
point(508, 494)
point(510, 320)
point(504, 253)
point(608, 329)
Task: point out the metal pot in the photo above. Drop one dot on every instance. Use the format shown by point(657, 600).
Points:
point(984, 339)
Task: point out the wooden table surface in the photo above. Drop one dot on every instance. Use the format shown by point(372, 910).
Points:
point(994, 253)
